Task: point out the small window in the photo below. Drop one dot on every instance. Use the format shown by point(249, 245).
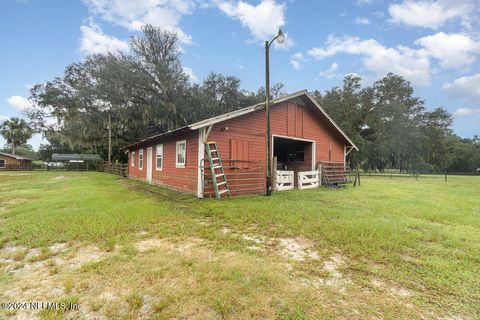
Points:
point(132, 160)
point(159, 163)
point(2, 163)
point(181, 153)
point(296, 157)
point(140, 159)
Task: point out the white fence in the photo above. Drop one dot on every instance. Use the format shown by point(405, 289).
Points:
point(308, 179)
point(285, 180)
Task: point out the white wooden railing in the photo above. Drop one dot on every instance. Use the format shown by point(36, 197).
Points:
point(284, 180)
point(308, 179)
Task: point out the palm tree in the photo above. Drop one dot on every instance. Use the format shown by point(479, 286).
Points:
point(16, 131)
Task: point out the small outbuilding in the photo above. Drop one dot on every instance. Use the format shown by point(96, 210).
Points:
point(74, 161)
point(10, 161)
point(303, 136)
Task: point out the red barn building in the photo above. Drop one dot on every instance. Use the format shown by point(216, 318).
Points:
point(302, 135)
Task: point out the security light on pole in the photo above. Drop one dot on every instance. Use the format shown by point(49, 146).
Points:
point(280, 37)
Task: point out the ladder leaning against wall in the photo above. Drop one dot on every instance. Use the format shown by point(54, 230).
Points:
point(220, 185)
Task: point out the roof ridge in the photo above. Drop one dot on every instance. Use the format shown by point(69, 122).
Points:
point(245, 110)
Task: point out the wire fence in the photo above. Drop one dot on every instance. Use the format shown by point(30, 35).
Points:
point(396, 174)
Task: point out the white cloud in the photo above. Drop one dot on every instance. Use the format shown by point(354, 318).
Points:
point(453, 50)
point(296, 60)
point(330, 72)
point(95, 41)
point(467, 88)
point(3, 118)
point(429, 14)
point(263, 20)
point(413, 65)
point(190, 74)
point(460, 112)
point(362, 21)
point(134, 14)
point(19, 102)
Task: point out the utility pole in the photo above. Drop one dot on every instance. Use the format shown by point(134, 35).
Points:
point(109, 138)
point(267, 112)
point(280, 38)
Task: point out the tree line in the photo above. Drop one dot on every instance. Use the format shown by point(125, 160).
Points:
point(146, 91)
point(393, 130)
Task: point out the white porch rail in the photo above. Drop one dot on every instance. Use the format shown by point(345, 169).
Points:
point(285, 180)
point(308, 179)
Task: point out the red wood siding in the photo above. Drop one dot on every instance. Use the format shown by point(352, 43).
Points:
point(287, 119)
point(184, 179)
point(240, 138)
point(307, 125)
point(249, 175)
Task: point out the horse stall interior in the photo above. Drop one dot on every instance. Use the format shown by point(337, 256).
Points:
point(293, 155)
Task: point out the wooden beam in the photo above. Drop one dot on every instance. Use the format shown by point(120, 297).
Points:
point(207, 133)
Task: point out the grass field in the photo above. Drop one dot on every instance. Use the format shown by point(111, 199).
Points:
point(391, 249)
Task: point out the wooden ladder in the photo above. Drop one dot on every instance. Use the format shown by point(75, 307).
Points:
point(216, 164)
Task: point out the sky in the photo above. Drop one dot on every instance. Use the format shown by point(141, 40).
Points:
point(434, 44)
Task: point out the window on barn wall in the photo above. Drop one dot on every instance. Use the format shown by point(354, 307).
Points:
point(159, 162)
point(132, 160)
point(181, 153)
point(240, 153)
point(2, 163)
point(296, 157)
point(140, 159)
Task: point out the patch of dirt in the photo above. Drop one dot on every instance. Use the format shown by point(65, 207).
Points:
point(298, 248)
point(11, 249)
point(15, 174)
point(58, 247)
point(256, 241)
point(109, 296)
point(83, 255)
point(336, 279)
point(395, 291)
point(225, 230)
point(400, 292)
point(186, 245)
point(149, 244)
point(33, 253)
point(179, 246)
point(58, 178)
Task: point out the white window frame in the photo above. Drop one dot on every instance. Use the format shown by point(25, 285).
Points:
point(133, 159)
point(180, 164)
point(140, 159)
point(4, 163)
point(161, 157)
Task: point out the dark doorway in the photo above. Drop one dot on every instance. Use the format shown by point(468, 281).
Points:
point(293, 155)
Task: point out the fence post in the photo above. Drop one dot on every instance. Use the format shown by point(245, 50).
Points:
point(358, 174)
point(445, 175)
point(319, 175)
point(274, 174)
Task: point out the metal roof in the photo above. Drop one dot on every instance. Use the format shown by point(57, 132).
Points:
point(259, 106)
point(75, 156)
point(14, 156)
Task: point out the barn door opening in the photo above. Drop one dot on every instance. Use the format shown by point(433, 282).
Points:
point(294, 154)
point(149, 164)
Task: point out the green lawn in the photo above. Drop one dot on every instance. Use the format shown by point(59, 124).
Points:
point(393, 248)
